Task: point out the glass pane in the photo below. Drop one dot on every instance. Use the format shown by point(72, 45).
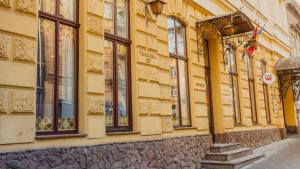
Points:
point(253, 103)
point(109, 16)
point(171, 36)
point(122, 86)
point(250, 68)
point(236, 99)
point(48, 6)
point(174, 93)
point(122, 18)
point(180, 35)
point(184, 98)
point(66, 79)
point(232, 60)
point(45, 76)
point(108, 71)
point(67, 9)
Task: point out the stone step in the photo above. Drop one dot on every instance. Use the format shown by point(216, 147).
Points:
point(219, 148)
point(232, 164)
point(229, 155)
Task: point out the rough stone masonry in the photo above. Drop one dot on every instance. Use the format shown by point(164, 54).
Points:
point(174, 153)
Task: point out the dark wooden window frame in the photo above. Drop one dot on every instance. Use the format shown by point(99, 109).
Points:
point(185, 59)
point(252, 81)
point(266, 93)
point(59, 20)
point(234, 74)
point(115, 40)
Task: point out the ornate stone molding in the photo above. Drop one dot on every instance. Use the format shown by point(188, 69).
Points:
point(4, 46)
point(3, 100)
point(95, 25)
point(95, 105)
point(25, 50)
point(27, 6)
point(94, 64)
point(5, 3)
point(22, 101)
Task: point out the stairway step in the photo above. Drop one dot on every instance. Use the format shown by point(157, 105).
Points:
point(229, 155)
point(219, 148)
point(232, 164)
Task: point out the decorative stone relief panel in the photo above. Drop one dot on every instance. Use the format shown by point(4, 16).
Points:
point(95, 24)
point(94, 64)
point(5, 3)
point(4, 46)
point(22, 101)
point(149, 107)
point(28, 6)
point(95, 105)
point(3, 100)
point(25, 50)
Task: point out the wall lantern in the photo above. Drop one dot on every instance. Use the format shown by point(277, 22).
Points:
point(156, 8)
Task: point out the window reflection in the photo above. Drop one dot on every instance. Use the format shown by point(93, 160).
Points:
point(185, 115)
point(67, 9)
point(174, 88)
point(109, 16)
point(122, 19)
point(48, 6)
point(122, 86)
point(66, 81)
point(46, 75)
point(171, 36)
point(180, 37)
point(108, 62)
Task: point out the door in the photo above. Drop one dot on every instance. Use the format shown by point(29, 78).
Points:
point(208, 89)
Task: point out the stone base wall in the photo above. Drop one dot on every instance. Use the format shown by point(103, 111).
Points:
point(253, 139)
point(180, 152)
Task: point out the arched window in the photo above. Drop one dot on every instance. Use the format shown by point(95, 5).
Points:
point(179, 73)
point(57, 70)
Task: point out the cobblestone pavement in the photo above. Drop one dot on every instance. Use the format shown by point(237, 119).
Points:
point(284, 154)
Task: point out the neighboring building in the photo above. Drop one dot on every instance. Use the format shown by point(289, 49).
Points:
point(147, 92)
point(293, 14)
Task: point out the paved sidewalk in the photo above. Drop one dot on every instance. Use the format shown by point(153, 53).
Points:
point(284, 154)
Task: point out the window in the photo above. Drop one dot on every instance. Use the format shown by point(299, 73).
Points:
point(57, 67)
point(252, 89)
point(179, 73)
point(117, 65)
point(230, 52)
point(266, 94)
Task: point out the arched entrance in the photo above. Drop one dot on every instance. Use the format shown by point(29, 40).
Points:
point(289, 80)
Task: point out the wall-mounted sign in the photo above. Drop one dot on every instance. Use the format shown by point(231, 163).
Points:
point(269, 78)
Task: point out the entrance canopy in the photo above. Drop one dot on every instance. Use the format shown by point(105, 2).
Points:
point(290, 63)
point(288, 74)
point(236, 23)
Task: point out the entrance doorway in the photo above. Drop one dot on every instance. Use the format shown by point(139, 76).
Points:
point(208, 88)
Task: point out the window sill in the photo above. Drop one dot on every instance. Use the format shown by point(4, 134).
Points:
point(122, 133)
point(60, 136)
point(184, 128)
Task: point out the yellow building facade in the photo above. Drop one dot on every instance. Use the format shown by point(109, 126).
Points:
point(122, 74)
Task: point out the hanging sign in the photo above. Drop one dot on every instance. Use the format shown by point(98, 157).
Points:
point(269, 78)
